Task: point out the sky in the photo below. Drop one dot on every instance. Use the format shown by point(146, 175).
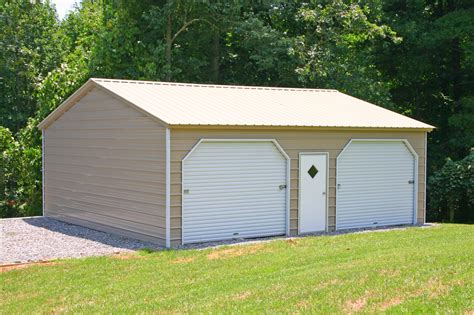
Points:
point(63, 6)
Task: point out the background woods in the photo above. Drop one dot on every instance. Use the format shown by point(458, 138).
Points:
point(415, 57)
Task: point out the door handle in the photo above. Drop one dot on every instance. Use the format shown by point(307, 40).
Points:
point(324, 192)
point(281, 187)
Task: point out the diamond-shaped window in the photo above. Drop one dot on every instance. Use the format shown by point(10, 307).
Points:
point(313, 171)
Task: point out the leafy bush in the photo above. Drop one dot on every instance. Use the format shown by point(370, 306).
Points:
point(20, 177)
point(451, 191)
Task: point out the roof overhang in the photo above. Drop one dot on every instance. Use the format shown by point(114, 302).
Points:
point(79, 94)
point(96, 83)
point(286, 127)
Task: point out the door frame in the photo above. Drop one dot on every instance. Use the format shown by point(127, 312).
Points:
point(415, 176)
point(287, 171)
point(327, 187)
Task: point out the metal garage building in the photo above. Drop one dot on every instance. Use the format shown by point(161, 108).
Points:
point(182, 163)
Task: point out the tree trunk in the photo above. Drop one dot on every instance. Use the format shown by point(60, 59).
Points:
point(169, 42)
point(451, 215)
point(215, 62)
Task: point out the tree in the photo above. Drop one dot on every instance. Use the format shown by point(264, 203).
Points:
point(30, 46)
point(431, 71)
point(452, 191)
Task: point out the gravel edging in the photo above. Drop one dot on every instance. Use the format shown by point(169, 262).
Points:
point(36, 239)
point(41, 238)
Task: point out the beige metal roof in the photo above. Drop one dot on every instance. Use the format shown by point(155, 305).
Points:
point(225, 105)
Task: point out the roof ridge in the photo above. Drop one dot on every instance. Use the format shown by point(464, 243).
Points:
point(222, 86)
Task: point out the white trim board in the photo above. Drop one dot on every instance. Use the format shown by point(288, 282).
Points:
point(42, 172)
point(168, 187)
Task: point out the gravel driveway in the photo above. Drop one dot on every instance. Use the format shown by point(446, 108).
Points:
point(40, 238)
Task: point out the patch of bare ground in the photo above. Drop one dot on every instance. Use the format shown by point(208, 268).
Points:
point(303, 304)
point(10, 267)
point(235, 251)
point(292, 242)
point(357, 305)
point(389, 272)
point(353, 306)
point(183, 260)
point(329, 283)
point(432, 289)
point(242, 296)
point(122, 256)
point(385, 305)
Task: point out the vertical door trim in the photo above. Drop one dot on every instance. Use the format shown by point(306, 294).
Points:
point(415, 176)
point(168, 188)
point(277, 145)
point(42, 172)
point(425, 183)
point(327, 187)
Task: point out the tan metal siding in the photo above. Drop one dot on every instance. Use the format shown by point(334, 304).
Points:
point(105, 168)
point(293, 142)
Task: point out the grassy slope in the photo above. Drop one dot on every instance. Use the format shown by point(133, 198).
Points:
point(416, 270)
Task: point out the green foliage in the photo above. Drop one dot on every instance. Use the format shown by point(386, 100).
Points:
point(31, 45)
point(22, 193)
point(415, 57)
point(431, 71)
point(451, 191)
point(21, 181)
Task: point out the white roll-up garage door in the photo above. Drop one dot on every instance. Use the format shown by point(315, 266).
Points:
point(234, 189)
point(375, 184)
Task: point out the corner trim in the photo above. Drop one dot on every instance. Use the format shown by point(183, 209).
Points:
point(168, 187)
point(426, 176)
point(42, 172)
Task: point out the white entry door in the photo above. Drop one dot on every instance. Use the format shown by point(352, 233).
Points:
point(313, 190)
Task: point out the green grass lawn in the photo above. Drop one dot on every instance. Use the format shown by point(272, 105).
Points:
point(414, 270)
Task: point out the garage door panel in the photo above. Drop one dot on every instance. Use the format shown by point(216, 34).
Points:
point(373, 184)
point(231, 189)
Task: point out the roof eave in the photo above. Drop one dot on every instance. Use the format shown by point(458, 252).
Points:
point(428, 128)
point(81, 92)
point(67, 104)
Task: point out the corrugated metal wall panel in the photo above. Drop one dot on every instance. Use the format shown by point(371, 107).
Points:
point(233, 191)
point(373, 186)
point(292, 142)
point(105, 168)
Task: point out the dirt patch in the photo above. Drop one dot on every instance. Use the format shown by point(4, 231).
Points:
point(390, 303)
point(242, 296)
point(389, 272)
point(326, 284)
point(127, 256)
point(435, 288)
point(303, 304)
point(292, 242)
point(183, 260)
point(354, 306)
point(235, 251)
point(10, 267)
point(432, 289)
